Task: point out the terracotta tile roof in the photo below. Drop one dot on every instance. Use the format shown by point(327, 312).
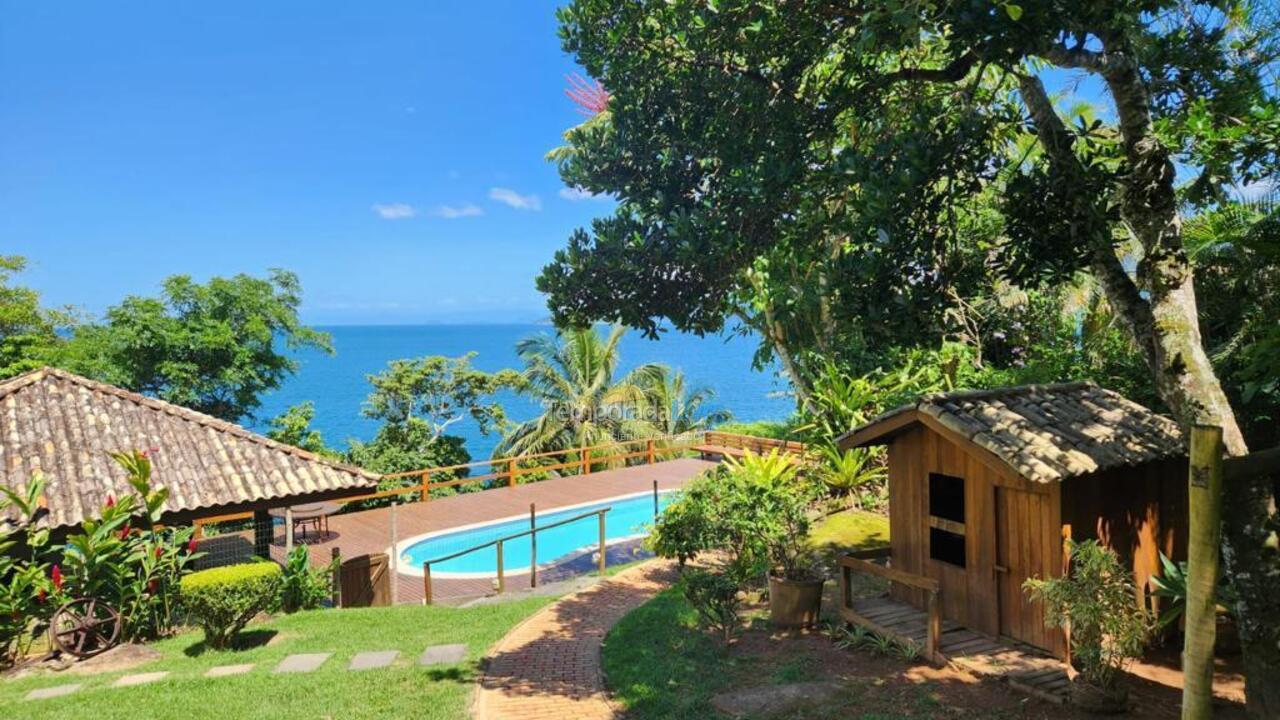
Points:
point(64, 425)
point(1049, 432)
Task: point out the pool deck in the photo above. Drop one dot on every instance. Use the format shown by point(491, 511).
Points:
point(369, 531)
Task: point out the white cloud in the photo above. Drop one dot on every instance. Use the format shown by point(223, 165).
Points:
point(574, 194)
point(394, 211)
point(452, 212)
point(510, 197)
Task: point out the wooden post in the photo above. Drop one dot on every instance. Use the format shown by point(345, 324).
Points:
point(395, 554)
point(288, 530)
point(934, 631)
point(603, 547)
point(1204, 502)
point(586, 464)
point(648, 451)
point(426, 583)
point(511, 472)
point(533, 546)
point(502, 577)
point(263, 533)
point(426, 486)
point(655, 499)
point(336, 567)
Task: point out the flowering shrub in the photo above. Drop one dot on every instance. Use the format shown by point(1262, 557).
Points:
point(121, 557)
point(223, 600)
point(26, 578)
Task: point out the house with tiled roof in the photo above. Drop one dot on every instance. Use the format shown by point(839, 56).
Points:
point(986, 486)
point(64, 426)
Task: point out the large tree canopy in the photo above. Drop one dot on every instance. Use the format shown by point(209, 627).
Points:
point(823, 161)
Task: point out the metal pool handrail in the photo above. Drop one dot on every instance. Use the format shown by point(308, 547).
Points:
point(533, 531)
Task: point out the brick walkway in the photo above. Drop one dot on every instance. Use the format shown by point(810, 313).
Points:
point(549, 666)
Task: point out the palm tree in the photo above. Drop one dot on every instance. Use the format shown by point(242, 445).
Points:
point(675, 409)
point(571, 374)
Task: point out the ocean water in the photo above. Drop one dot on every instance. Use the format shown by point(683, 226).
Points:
point(337, 383)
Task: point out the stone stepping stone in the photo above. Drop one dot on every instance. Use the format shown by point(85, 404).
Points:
point(225, 670)
point(372, 660)
point(443, 655)
point(139, 679)
point(52, 692)
point(302, 662)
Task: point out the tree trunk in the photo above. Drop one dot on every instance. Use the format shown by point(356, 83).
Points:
point(1165, 325)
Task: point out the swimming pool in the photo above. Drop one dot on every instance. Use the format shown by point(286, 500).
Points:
point(629, 517)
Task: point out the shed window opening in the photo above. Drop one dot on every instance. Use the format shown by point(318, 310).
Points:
point(946, 519)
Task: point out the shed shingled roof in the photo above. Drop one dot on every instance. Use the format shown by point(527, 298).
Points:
point(64, 426)
point(1049, 432)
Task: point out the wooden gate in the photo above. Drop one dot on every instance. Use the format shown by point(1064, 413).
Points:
point(366, 581)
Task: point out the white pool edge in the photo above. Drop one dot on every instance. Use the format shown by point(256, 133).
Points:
point(401, 568)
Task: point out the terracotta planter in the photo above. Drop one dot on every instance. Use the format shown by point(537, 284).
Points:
point(1094, 699)
point(794, 603)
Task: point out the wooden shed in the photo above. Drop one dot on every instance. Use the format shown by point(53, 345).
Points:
point(984, 487)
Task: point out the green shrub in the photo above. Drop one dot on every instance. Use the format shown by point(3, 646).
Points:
point(301, 586)
point(223, 600)
point(714, 596)
point(1096, 600)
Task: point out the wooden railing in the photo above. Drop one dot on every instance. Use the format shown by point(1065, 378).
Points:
point(532, 532)
point(933, 618)
point(580, 460)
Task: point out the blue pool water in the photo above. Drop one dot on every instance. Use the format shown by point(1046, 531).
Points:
point(628, 517)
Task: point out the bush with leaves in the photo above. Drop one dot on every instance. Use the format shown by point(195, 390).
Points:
point(26, 578)
point(1096, 601)
point(753, 512)
point(126, 559)
point(303, 587)
point(223, 600)
point(714, 596)
point(856, 475)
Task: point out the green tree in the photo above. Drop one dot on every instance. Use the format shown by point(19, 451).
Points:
point(572, 375)
point(758, 132)
point(438, 391)
point(28, 331)
point(293, 427)
point(213, 347)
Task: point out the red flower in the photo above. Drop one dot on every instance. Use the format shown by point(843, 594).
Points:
point(56, 576)
point(159, 551)
point(192, 545)
point(124, 532)
point(40, 594)
point(152, 585)
point(111, 501)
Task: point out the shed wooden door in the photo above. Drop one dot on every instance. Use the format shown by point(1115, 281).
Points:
point(1022, 552)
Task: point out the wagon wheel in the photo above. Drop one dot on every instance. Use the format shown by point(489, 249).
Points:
point(85, 627)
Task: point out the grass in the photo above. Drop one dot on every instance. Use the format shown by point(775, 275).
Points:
point(401, 691)
point(778, 430)
point(850, 529)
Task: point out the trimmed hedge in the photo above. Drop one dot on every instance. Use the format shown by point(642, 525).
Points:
point(223, 600)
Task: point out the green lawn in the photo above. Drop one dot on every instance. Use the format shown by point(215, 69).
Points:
point(403, 690)
point(851, 529)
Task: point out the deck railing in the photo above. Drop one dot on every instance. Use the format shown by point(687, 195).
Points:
point(580, 460)
point(858, 562)
point(532, 532)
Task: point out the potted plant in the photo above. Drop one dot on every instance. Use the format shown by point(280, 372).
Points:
point(1095, 602)
point(753, 515)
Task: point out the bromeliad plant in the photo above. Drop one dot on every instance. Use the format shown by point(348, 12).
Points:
point(850, 473)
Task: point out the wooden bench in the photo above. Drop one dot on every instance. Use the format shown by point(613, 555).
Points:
point(720, 450)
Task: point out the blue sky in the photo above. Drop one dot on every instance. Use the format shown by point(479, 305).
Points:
point(138, 140)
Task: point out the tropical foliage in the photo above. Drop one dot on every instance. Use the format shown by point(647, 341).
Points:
point(573, 375)
point(121, 557)
point(1095, 599)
